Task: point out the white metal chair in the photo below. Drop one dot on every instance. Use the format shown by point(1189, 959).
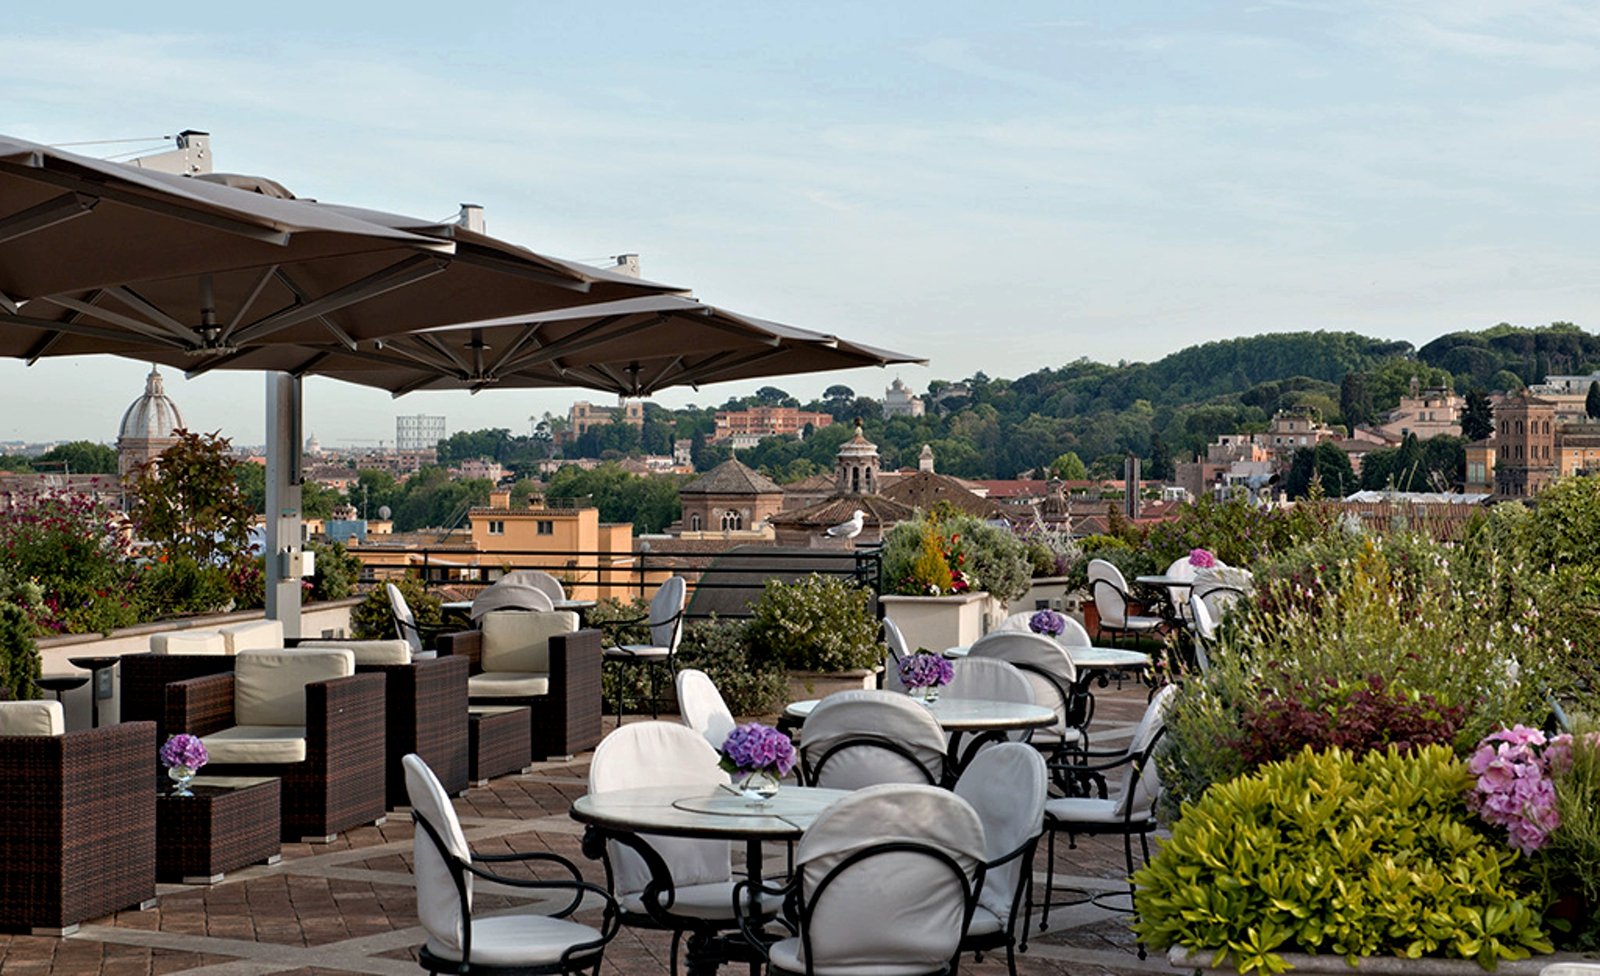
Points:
point(1054, 679)
point(1129, 810)
point(446, 871)
point(1073, 635)
point(405, 622)
point(701, 707)
point(990, 679)
point(673, 884)
point(896, 643)
point(1208, 610)
point(665, 621)
point(861, 738)
point(539, 580)
point(1007, 786)
point(1109, 589)
point(885, 884)
point(510, 596)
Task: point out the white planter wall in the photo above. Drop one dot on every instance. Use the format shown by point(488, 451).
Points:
point(938, 622)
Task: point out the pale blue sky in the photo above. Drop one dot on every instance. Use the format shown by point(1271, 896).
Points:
point(996, 187)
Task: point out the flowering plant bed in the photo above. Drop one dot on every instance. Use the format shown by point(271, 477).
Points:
point(1047, 622)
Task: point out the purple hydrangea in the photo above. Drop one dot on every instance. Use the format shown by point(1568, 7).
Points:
point(756, 748)
point(1047, 622)
point(925, 670)
point(1514, 788)
point(184, 750)
point(1202, 558)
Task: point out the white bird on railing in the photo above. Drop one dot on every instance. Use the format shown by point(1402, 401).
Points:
point(850, 529)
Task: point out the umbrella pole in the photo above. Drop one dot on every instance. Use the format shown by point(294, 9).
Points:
point(283, 544)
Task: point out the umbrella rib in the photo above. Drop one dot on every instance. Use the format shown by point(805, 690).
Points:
point(397, 275)
point(45, 215)
point(300, 296)
point(423, 357)
point(444, 350)
point(267, 275)
point(469, 254)
point(708, 372)
point(139, 303)
point(527, 335)
point(116, 318)
point(38, 350)
point(587, 337)
point(88, 331)
point(8, 305)
point(671, 364)
point(101, 191)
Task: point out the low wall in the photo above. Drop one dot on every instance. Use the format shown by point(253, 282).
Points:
point(331, 619)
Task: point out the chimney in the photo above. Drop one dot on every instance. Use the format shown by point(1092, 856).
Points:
point(471, 217)
point(627, 264)
point(925, 459)
point(500, 498)
point(1130, 486)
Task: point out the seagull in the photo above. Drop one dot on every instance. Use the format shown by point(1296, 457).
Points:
point(850, 529)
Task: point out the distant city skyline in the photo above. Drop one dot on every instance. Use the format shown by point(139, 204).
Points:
point(994, 188)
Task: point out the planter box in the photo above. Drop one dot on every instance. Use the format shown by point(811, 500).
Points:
point(938, 622)
point(821, 684)
point(1299, 962)
point(1046, 592)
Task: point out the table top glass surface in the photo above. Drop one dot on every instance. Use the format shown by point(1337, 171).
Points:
point(965, 714)
point(465, 605)
point(705, 811)
point(1085, 657)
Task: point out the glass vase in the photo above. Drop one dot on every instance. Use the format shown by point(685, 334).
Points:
point(181, 777)
point(759, 787)
point(927, 694)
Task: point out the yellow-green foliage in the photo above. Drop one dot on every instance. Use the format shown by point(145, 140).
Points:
point(1322, 853)
point(930, 572)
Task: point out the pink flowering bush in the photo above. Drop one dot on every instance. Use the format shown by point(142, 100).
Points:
point(1514, 788)
point(76, 553)
point(1202, 559)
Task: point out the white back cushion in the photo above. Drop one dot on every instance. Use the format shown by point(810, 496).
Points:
point(270, 686)
point(394, 651)
point(252, 635)
point(515, 640)
point(1007, 785)
point(32, 718)
point(188, 642)
point(701, 706)
point(438, 904)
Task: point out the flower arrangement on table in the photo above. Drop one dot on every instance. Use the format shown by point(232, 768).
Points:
point(183, 755)
point(758, 756)
point(1202, 559)
point(1048, 622)
point(924, 673)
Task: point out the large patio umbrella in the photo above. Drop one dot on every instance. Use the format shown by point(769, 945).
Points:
point(631, 348)
point(69, 222)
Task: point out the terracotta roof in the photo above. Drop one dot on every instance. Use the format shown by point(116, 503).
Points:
point(879, 511)
point(731, 477)
point(1016, 488)
point(925, 489)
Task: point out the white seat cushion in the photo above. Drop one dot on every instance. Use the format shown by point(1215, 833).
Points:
point(1083, 809)
point(512, 940)
point(636, 652)
point(32, 718)
point(188, 642)
point(508, 684)
point(394, 651)
point(785, 955)
point(249, 744)
point(483, 711)
point(1142, 623)
point(253, 635)
point(985, 922)
point(709, 901)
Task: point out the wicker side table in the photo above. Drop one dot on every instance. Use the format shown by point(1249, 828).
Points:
point(231, 821)
point(499, 741)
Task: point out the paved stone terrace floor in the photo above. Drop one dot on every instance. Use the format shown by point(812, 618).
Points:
point(350, 906)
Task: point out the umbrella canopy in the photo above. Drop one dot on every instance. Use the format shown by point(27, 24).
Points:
point(632, 348)
point(68, 222)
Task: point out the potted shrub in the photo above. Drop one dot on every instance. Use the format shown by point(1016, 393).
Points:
point(1323, 860)
point(948, 577)
point(821, 629)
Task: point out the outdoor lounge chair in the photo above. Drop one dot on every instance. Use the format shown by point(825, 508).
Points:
point(304, 716)
point(77, 818)
point(426, 711)
point(178, 655)
point(541, 660)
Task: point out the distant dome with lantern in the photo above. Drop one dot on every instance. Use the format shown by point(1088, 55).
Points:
point(148, 426)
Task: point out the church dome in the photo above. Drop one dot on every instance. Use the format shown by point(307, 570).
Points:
point(152, 417)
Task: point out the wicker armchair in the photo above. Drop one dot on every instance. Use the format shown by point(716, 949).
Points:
point(426, 712)
point(326, 743)
point(77, 820)
point(540, 660)
point(178, 655)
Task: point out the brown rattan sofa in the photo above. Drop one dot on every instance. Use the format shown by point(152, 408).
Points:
point(426, 712)
point(540, 660)
point(77, 820)
point(333, 773)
